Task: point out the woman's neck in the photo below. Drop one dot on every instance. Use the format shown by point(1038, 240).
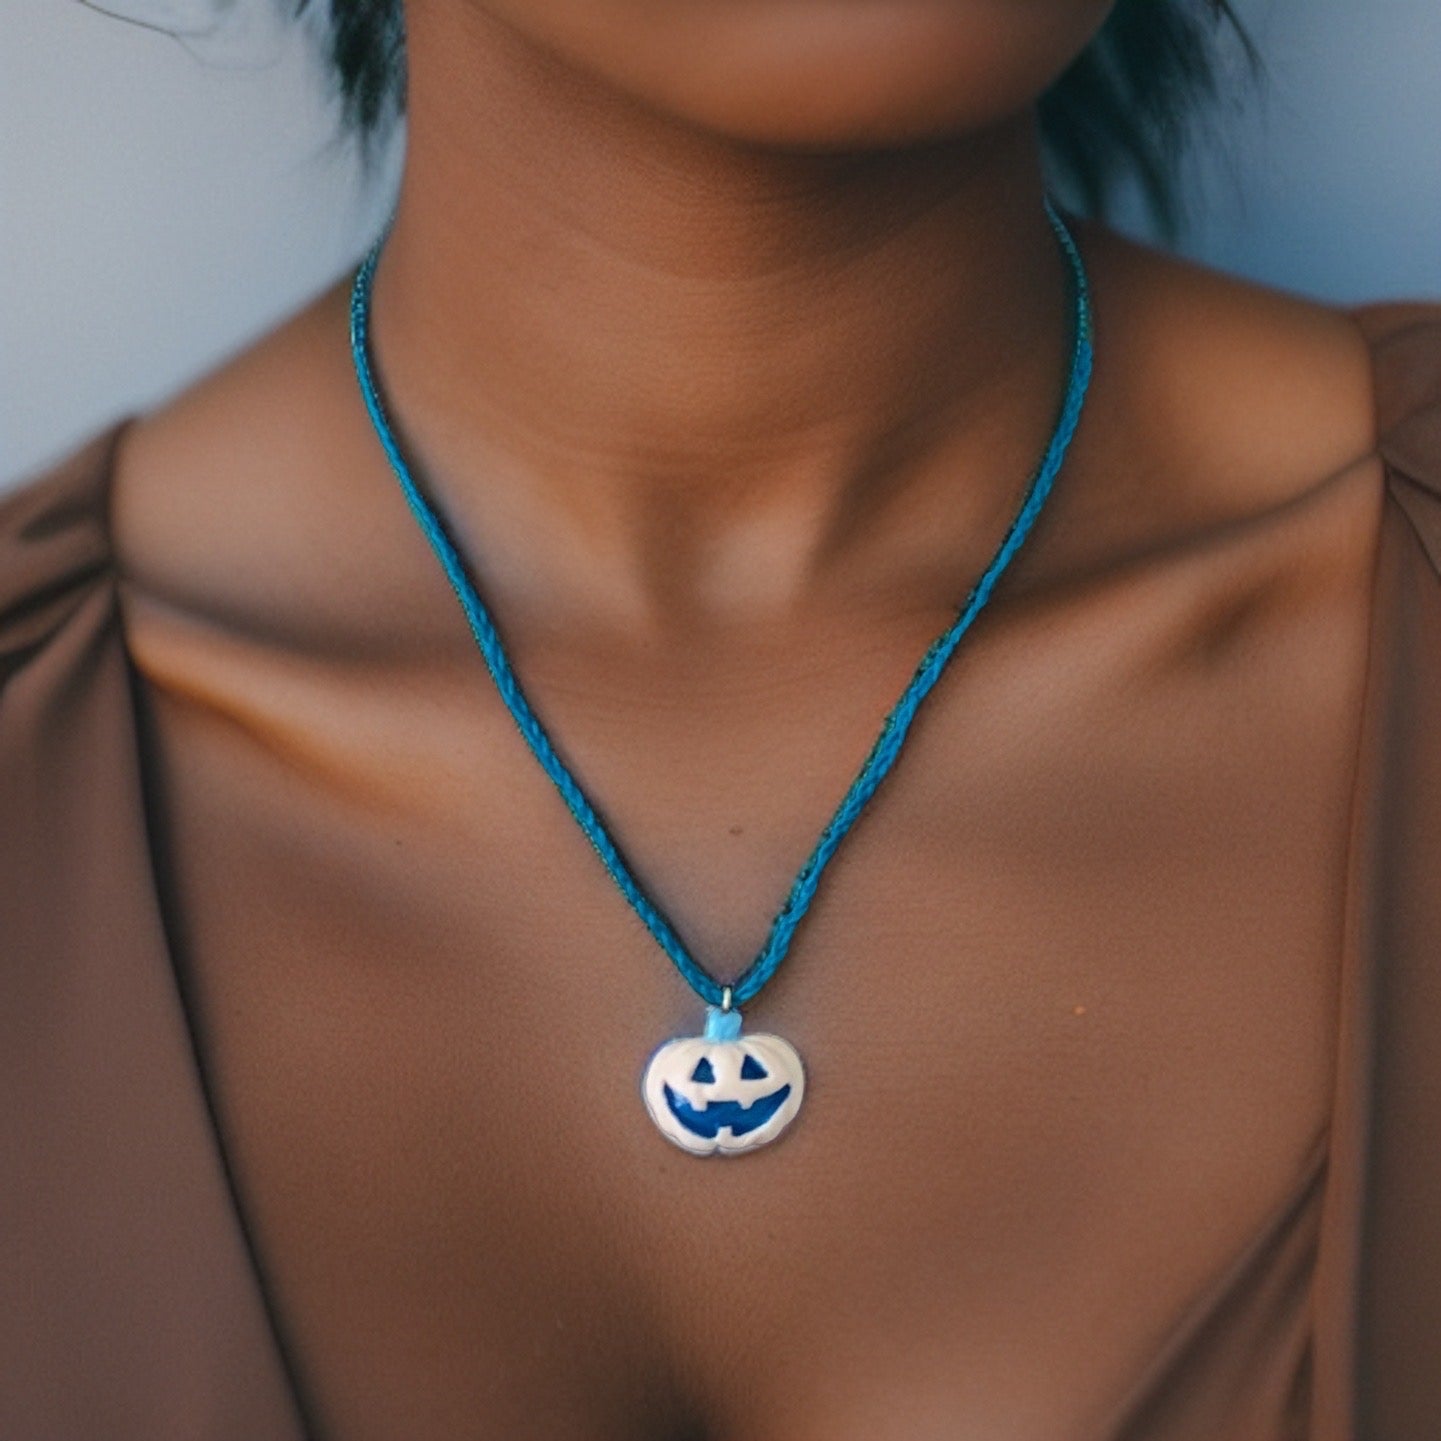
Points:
point(639, 333)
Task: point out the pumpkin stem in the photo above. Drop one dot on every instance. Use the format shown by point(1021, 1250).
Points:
point(722, 1025)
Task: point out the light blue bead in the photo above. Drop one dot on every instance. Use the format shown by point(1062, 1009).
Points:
point(722, 1025)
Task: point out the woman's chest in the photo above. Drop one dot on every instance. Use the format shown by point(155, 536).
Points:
point(1066, 1000)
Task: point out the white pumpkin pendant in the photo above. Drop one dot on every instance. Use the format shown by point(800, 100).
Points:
point(722, 1093)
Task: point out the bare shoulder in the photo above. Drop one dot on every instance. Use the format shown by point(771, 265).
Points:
point(1226, 419)
point(1255, 391)
point(236, 502)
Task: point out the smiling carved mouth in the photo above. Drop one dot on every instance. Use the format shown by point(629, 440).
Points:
point(707, 1121)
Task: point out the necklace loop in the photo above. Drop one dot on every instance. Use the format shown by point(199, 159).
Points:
point(888, 743)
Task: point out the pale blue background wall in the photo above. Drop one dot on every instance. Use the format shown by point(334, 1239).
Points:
point(156, 211)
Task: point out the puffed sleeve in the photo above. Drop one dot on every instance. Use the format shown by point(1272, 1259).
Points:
point(130, 1306)
point(1384, 1210)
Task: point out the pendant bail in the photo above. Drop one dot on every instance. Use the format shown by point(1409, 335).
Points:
point(726, 998)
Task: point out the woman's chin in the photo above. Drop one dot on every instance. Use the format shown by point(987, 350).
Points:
point(820, 74)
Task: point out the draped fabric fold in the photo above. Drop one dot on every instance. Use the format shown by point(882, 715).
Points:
point(1389, 1135)
point(131, 1309)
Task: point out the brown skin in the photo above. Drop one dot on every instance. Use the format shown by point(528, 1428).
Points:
point(727, 334)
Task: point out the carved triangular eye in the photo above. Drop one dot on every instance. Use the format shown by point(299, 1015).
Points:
point(703, 1073)
point(752, 1070)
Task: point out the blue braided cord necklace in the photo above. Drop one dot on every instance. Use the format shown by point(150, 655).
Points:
point(721, 1092)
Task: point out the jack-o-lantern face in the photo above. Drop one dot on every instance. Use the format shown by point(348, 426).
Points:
point(723, 1095)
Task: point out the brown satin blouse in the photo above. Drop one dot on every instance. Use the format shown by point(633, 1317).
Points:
point(133, 1306)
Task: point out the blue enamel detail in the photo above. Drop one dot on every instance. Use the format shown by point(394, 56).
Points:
point(707, 1121)
point(751, 1069)
point(703, 1074)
